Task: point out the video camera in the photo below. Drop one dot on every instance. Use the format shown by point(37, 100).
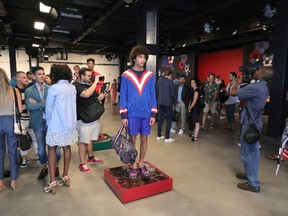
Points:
point(248, 72)
point(101, 78)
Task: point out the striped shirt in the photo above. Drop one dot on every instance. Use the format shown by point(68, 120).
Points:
point(25, 114)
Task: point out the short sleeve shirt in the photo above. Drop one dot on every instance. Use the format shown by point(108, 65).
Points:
point(210, 90)
point(254, 95)
point(82, 103)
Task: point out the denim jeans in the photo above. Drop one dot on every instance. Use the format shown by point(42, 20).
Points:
point(168, 112)
point(40, 134)
point(7, 131)
point(250, 156)
point(230, 110)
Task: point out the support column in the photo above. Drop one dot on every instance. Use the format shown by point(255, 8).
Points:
point(280, 65)
point(148, 34)
point(12, 56)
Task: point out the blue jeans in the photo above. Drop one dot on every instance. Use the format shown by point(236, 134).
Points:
point(40, 134)
point(230, 110)
point(250, 156)
point(7, 131)
point(168, 112)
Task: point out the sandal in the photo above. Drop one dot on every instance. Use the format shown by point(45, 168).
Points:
point(64, 181)
point(144, 171)
point(14, 186)
point(2, 187)
point(133, 173)
point(51, 187)
point(194, 139)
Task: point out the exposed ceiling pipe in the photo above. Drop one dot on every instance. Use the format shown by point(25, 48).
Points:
point(118, 4)
point(208, 11)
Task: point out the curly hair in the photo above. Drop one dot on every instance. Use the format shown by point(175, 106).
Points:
point(60, 71)
point(138, 50)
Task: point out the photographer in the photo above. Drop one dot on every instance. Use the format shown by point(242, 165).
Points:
point(88, 102)
point(255, 95)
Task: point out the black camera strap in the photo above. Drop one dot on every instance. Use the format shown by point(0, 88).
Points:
point(249, 117)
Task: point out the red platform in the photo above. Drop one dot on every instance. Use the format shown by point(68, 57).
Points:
point(128, 190)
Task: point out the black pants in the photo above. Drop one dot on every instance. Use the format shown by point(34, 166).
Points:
point(168, 112)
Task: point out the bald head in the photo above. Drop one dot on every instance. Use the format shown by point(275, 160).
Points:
point(21, 79)
point(267, 72)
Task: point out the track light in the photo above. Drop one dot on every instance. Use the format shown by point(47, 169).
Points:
point(44, 8)
point(264, 27)
point(207, 27)
point(39, 25)
point(234, 32)
point(269, 10)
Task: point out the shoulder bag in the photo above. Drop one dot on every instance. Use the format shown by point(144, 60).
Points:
point(25, 140)
point(252, 134)
point(124, 147)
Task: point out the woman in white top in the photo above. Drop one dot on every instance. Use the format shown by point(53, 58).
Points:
point(7, 101)
point(61, 122)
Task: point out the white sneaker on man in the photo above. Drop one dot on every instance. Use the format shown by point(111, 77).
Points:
point(172, 131)
point(181, 131)
point(169, 140)
point(161, 138)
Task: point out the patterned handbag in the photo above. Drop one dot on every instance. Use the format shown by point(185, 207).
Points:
point(124, 147)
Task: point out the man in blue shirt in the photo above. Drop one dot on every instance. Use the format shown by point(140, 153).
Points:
point(255, 95)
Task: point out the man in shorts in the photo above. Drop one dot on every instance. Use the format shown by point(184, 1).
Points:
point(211, 90)
point(86, 95)
point(138, 105)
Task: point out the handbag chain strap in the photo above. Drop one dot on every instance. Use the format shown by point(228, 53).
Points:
point(16, 110)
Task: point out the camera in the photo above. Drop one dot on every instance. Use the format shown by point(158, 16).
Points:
point(248, 72)
point(101, 78)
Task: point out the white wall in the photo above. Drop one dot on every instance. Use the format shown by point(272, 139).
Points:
point(109, 69)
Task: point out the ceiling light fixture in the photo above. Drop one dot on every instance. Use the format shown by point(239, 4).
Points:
point(35, 45)
point(269, 10)
point(218, 28)
point(184, 45)
point(207, 27)
point(264, 27)
point(44, 8)
point(39, 25)
point(234, 32)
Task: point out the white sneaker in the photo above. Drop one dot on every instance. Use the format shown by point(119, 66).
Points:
point(239, 144)
point(169, 140)
point(172, 131)
point(222, 117)
point(181, 131)
point(161, 138)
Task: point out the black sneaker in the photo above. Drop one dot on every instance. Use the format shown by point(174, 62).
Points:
point(24, 163)
point(241, 176)
point(247, 187)
point(43, 173)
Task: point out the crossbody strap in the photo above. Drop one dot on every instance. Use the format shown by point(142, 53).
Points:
point(249, 118)
point(16, 110)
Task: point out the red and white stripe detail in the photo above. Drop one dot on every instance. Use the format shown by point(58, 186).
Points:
point(154, 110)
point(123, 110)
point(138, 83)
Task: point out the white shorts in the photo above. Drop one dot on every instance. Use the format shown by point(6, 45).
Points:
point(88, 131)
point(212, 108)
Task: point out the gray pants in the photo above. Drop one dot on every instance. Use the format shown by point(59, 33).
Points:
point(181, 108)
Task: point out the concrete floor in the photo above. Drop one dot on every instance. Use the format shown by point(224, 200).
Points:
point(203, 173)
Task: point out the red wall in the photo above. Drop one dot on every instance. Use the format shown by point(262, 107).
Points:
point(219, 63)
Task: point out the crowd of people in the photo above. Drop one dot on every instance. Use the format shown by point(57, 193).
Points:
point(59, 110)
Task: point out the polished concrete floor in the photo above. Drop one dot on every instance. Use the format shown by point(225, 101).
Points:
point(203, 173)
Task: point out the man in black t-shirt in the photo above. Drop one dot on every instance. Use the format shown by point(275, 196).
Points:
point(87, 124)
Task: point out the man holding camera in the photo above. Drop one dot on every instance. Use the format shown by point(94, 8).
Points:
point(255, 95)
point(88, 124)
